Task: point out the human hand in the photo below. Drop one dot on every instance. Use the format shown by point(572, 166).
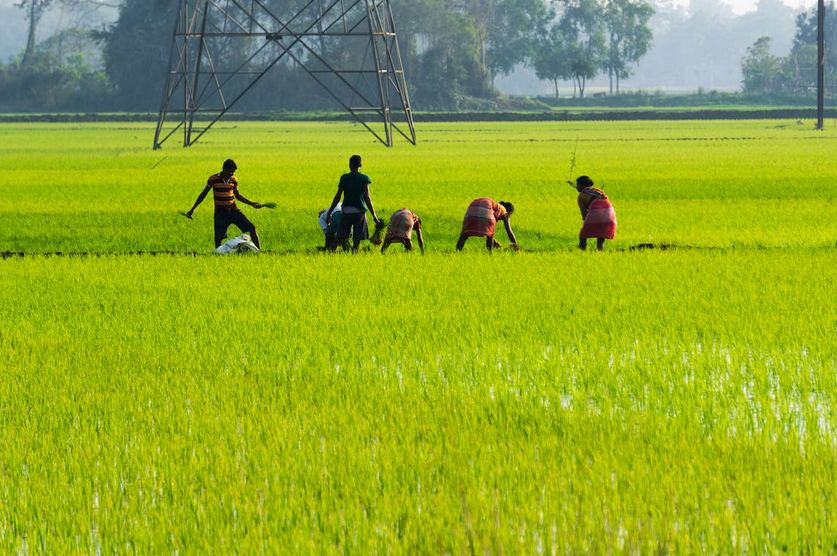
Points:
point(257, 205)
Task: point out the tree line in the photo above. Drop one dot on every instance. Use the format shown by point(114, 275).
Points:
point(453, 52)
point(766, 74)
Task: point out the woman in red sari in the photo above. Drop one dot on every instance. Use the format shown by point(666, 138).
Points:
point(402, 223)
point(481, 221)
point(597, 213)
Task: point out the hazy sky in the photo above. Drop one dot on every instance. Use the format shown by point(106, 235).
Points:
point(741, 6)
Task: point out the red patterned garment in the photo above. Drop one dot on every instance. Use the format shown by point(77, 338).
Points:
point(402, 223)
point(481, 218)
point(599, 215)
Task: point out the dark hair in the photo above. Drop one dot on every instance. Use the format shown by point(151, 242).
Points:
point(584, 181)
point(509, 207)
point(230, 165)
point(355, 161)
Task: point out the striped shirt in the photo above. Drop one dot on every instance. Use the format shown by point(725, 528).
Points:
point(223, 191)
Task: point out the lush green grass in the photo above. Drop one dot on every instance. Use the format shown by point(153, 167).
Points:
point(675, 401)
point(92, 187)
point(552, 401)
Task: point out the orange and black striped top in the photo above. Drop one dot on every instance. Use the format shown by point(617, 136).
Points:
point(223, 191)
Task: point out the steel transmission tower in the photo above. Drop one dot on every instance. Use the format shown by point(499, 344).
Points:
point(222, 48)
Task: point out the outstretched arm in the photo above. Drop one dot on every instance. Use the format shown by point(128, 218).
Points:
point(385, 246)
point(368, 200)
point(333, 206)
point(585, 198)
point(510, 233)
point(200, 199)
point(420, 238)
point(246, 201)
point(582, 206)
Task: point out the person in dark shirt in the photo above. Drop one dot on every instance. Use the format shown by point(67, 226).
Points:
point(354, 190)
point(225, 192)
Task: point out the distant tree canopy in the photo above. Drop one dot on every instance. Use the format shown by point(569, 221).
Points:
point(587, 37)
point(136, 51)
point(452, 49)
point(627, 35)
point(795, 74)
point(61, 73)
point(34, 11)
point(762, 70)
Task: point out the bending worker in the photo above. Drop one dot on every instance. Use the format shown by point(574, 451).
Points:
point(481, 220)
point(401, 226)
point(330, 230)
point(225, 192)
point(354, 190)
point(597, 212)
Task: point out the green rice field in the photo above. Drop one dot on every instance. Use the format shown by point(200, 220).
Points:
point(677, 400)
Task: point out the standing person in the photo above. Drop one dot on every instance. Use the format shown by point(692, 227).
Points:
point(481, 220)
point(401, 226)
point(597, 212)
point(330, 230)
point(354, 190)
point(225, 192)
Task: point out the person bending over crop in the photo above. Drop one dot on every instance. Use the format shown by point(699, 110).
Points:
point(225, 192)
point(401, 226)
point(330, 230)
point(597, 213)
point(354, 190)
point(481, 220)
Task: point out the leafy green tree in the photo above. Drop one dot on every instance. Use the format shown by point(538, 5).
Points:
point(440, 51)
point(438, 44)
point(583, 26)
point(551, 60)
point(801, 64)
point(800, 69)
point(61, 73)
point(506, 31)
point(628, 36)
point(137, 51)
point(761, 69)
point(35, 10)
point(806, 27)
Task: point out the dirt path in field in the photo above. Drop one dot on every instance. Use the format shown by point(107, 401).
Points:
point(21, 254)
point(4, 255)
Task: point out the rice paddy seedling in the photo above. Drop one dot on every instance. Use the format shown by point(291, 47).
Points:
point(90, 187)
point(673, 401)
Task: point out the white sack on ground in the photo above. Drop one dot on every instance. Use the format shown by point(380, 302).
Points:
point(240, 244)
